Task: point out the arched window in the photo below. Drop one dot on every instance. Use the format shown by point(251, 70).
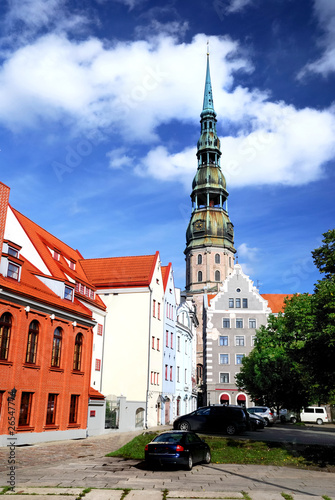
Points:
point(139, 417)
point(199, 276)
point(56, 347)
point(217, 276)
point(5, 329)
point(217, 258)
point(224, 399)
point(32, 342)
point(199, 258)
point(241, 400)
point(77, 352)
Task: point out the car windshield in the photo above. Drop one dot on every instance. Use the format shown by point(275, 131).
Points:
point(169, 438)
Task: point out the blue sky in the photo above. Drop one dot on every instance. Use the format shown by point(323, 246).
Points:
point(100, 104)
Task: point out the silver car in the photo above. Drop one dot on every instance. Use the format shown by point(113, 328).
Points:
point(267, 413)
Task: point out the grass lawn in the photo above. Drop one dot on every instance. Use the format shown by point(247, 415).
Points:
point(241, 451)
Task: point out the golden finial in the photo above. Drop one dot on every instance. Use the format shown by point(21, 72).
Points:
point(208, 47)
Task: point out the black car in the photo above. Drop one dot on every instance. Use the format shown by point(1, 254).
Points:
point(217, 418)
point(256, 422)
point(177, 447)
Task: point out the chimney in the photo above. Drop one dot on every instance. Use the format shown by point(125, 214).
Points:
point(4, 199)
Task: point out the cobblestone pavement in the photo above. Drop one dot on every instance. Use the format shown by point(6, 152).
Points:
point(69, 467)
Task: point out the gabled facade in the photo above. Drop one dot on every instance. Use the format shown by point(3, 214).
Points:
point(169, 346)
point(187, 322)
point(46, 333)
point(233, 315)
point(132, 289)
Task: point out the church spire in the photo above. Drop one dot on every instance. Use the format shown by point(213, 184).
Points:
point(208, 105)
point(210, 235)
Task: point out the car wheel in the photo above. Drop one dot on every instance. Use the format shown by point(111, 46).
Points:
point(189, 463)
point(231, 429)
point(207, 458)
point(293, 420)
point(184, 426)
point(319, 421)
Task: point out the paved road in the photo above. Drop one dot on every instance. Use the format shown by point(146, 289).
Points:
point(82, 464)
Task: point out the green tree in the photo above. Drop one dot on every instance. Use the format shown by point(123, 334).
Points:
point(324, 256)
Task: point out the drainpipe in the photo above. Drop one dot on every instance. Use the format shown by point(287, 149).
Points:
point(149, 359)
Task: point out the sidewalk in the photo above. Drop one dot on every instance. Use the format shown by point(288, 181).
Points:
point(70, 467)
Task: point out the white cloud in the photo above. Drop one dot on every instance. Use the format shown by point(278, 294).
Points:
point(119, 159)
point(238, 5)
point(245, 251)
point(325, 12)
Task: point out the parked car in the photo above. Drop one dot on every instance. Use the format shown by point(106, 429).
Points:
point(217, 418)
point(316, 414)
point(287, 416)
point(177, 447)
point(256, 422)
point(267, 413)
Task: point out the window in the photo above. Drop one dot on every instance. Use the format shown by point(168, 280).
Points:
point(226, 323)
point(56, 347)
point(199, 276)
point(78, 345)
point(167, 338)
point(12, 251)
point(239, 340)
point(217, 276)
point(5, 329)
point(13, 271)
point(223, 340)
point(56, 255)
point(231, 303)
point(157, 344)
point(239, 323)
point(238, 303)
point(154, 308)
point(178, 374)
point(152, 342)
point(185, 346)
point(171, 345)
point(185, 376)
point(166, 372)
point(199, 258)
point(32, 342)
point(178, 344)
point(217, 258)
point(51, 409)
point(239, 358)
point(100, 329)
point(224, 359)
point(73, 409)
point(97, 365)
point(252, 323)
point(171, 372)
point(159, 311)
point(25, 408)
point(224, 378)
point(151, 377)
point(68, 293)
point(245, 303)
point(253, 340)
point(72, 265)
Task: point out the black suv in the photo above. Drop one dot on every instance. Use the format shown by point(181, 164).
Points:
point(217, 418)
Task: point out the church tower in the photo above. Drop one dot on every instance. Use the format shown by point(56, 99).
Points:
point(210, 234)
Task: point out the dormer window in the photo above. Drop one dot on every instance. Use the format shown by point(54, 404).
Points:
point(13, 271)
point(72, 265)
point(56, 255)
point(13, 252)
point(68, 293)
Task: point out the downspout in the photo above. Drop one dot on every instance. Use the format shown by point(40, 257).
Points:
point(149, 359)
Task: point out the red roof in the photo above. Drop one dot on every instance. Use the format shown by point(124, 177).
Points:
point(59, 269)
point(120, 272)
point(276, 301)
point(210, 296)
point(32, 287)
point(94, 394)
point(165, 274)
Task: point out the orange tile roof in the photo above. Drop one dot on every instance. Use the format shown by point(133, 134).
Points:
point(94, 394)
point(210, 296)
point(120, 272)
point(165, 274)
point(59, 269)
point(276, 301)
point(32, 288)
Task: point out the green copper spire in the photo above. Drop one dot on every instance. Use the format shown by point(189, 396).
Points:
point(208, 106)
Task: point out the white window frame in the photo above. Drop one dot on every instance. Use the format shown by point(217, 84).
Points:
point(236, 355)
point(240, 337)
point(224, 373)
point(226, 355)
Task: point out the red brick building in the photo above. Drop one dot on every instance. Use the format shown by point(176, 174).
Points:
point(46, 332)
